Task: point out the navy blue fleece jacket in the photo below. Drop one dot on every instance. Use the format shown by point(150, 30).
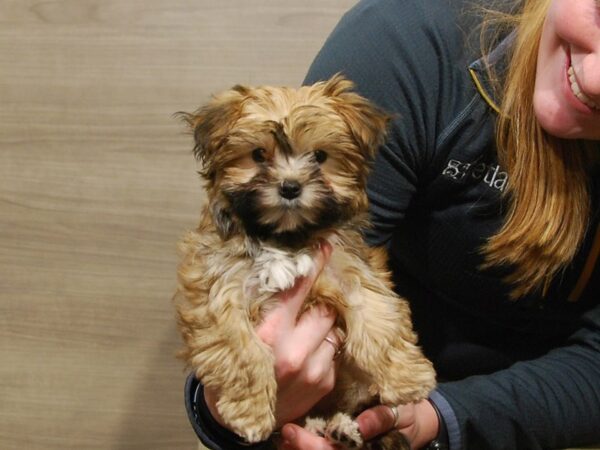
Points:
point(514, 375)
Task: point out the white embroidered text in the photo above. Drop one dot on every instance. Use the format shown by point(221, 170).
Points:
point(490, 174)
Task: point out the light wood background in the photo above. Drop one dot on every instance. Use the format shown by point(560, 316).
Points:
point(97, 183)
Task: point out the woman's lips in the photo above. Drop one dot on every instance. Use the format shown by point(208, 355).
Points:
point(575, 88)
point(573, 93)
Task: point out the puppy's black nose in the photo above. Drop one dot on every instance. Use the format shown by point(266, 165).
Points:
point(290, 189)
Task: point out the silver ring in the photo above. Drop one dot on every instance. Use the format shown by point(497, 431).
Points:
point(335, 346)
point(394, 410)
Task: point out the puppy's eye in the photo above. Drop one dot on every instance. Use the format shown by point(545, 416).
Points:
point(320, 156)
point(259, 155)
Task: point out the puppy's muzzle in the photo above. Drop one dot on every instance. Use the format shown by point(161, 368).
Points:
point(290, 189)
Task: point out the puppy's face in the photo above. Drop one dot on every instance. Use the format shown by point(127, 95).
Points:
point(283, 163)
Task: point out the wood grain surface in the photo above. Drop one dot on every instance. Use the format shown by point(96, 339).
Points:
point(97, 183)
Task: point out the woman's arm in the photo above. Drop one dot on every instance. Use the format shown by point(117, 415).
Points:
point(549, 402)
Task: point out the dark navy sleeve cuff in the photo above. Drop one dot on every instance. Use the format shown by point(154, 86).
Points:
point(208, 430)
point(450, 420)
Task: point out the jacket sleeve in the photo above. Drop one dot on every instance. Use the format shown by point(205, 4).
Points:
point(549, 402)
point(210, 433)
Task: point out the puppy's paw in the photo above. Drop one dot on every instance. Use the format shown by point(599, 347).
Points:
point(277, 271)
point(341, 429)
point(315, 425)
point(252, 431)
point(304, 265)
point(251, 418)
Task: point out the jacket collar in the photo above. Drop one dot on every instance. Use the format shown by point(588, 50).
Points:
point(496, 59)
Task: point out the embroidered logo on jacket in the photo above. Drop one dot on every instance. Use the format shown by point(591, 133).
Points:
point(490, 174)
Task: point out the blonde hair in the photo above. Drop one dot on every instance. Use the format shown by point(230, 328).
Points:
point(548, 199)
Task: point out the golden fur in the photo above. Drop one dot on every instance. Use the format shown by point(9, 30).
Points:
point(549, 202)
point(253, 241)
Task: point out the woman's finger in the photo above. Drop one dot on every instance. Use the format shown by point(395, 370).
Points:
point(321, 370)
point(314, 326)
point(310, 351)
point(375, 421)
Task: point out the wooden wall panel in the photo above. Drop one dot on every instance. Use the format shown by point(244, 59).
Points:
point(97, 183)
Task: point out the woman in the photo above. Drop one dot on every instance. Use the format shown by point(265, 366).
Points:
point(486, 195)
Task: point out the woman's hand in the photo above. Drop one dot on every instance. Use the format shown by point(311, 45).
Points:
point(417, 421)
point(304, 365)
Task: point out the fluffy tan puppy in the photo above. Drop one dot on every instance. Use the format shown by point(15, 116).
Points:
point(285, 169)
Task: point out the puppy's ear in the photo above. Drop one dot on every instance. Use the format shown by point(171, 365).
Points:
point(367, 122)
point(212, 123)
point(222, 219)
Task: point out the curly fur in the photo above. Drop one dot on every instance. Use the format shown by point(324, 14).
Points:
point(253, 240)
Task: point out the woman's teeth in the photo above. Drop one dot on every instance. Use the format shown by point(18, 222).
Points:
point(577, 91)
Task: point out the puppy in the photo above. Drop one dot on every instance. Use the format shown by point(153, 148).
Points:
point(286, 169)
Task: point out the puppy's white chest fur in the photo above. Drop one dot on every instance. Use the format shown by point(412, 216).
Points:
point(275, 270)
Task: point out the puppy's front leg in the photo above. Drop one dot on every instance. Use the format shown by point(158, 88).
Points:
point(231, 359)
point(381, 341)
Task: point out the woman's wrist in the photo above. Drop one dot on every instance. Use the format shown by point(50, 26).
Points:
point(428, 424)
